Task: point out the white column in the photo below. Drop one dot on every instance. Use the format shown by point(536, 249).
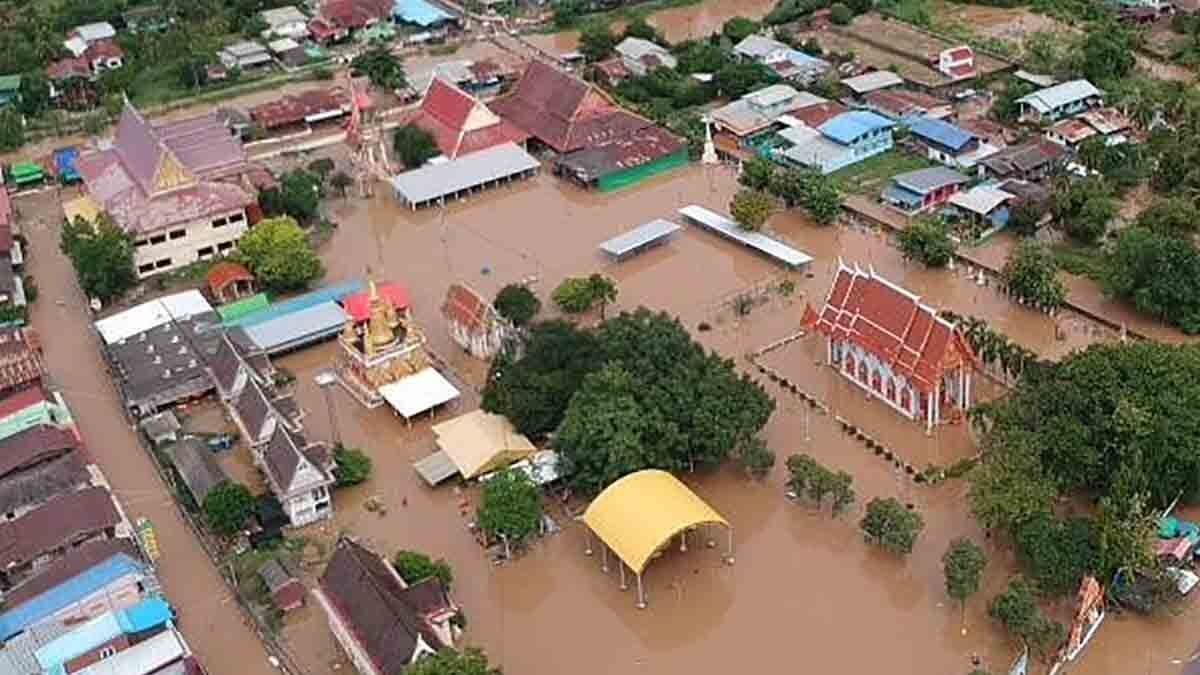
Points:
point(967, 398)
point(604, 558)
point(641, 599)
point(937, 402)
point(829, 350)
point(929, 412)
point(624, 585)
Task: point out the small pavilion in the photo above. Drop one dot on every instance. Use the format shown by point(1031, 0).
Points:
point(229, 281)
point(638, 516)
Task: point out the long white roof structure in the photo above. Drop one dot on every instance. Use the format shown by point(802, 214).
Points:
point(715, 222)
point(435, 181)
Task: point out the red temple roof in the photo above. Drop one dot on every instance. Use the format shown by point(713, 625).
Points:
point(358, 306)
point(892, 324)
point(460, 123)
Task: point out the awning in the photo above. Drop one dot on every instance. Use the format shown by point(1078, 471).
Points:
point(417, 393)
point(479, 441)
point(640, 513)
point(435, 468)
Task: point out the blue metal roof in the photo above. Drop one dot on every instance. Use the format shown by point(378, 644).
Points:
point(298, 303)
point(145, 615)
point(64, 163)
point(849, 126)
point(942, 133)
point(73, 590)
point(419, 12)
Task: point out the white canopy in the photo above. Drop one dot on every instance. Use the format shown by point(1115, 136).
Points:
point(417, 393)
point(152, 314)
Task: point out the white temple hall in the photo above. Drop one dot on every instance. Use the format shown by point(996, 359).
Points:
point(883, 339)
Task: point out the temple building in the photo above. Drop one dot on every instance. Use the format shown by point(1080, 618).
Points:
point(379, 344)
point(883, 339)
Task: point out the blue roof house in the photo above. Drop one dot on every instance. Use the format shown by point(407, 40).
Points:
point(950, 144)
point(841, 141)
point(149, 615)
point(420, 13)
point(922, 190)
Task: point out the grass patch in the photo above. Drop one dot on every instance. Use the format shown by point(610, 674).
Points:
point(1085, 261)
point(626, 13)
point(872, 174)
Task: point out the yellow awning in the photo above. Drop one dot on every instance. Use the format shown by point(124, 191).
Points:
point(479, 442)
point(638, 515)
point(81, 206)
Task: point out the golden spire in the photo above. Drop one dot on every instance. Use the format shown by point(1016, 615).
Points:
point(379, 329)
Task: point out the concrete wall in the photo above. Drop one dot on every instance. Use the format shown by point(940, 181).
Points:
point(181, 245)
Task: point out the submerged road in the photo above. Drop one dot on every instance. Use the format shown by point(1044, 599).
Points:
point(208, 615)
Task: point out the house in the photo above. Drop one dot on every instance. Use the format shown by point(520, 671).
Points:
point(88, 60)
point(284, 22)
point(563, 112)
point(51, 530)
point(300, 475)
point(194, 462)
point(288, 52)
point(875, 80)
point(640, 56)
point(915, 191)
point(381, 623)
point(425, 14)
point(905, 105)
point(258, 411)
point(166, 653)
point(174, 187)
point(473, 322)
point(10, 89)
point(621, 162)
point(460, 123)
point(245, 55)
point(287, 593)
point(841, 141)
point(161, 429)
point(1108, 124)
point(1061, 100)
point(610, 72)
point(1032, 160)
point(985, 206)
point(17, 655)
point(31, 407)
point(337, 19)
point(93, 32)
point(104, 636)
point(97, 577)
point(1069, 133)
point(950, 144)
point(761, 110)
point(813, 116)
point(988, 131)
point(956, 63)
point(20, 357)
point(304, 108)
point(882, 338)
point(787, 63)
point(38, 464)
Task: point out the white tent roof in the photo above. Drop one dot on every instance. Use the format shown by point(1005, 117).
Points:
point(417, 393)
point(480, 441)
point(152, 314)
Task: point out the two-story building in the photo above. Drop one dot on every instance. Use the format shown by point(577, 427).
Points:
point(760, 111)
point(1065, 99)
point(99, 639)
point(300, 475)
point(950, 144)
point(284, 22)
point(917, 191)
point(843, 140)
point(956, 63)
point(50, 531)
point(177, 188)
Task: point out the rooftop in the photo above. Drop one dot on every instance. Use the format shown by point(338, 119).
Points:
point(435, 180)
point(20, 358)
point(641, 147)
point(923, 181)
point(42, 482)
point(465, 307)
point(197, 467)
point(460, 123)
point(850, 126)
point(1045, 100)
point(296, 108)
point(872, 81)
point(358, 305)
point(943, 133)
point(981, 199)
point(56, 522)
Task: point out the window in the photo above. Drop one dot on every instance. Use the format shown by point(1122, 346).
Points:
point(220, 222)
point(145, 268)
point(178, 234)
point(140, 243)
point(224, 246)
point(237, 217)
point(158, 239)
point(204, 253)
point(165, 262)
point(318, 494)
point(107, 652)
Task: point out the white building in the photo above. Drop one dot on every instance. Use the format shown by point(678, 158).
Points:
point(284, 22)
point(642, 56)
point(474, 323)
point(300, 475)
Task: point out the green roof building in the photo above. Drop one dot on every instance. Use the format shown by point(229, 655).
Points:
point(10, 89)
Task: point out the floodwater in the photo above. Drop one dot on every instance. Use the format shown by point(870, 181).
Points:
point(208, 616)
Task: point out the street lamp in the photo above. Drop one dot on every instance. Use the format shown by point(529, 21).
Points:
point(325, 380)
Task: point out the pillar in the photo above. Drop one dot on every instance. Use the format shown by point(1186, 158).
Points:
point(624, 586)
point(683, 542)
point(829, 350)
point(641, 599)
point(588, 538)
point(967, 396)
point(604, 558)
point(929, 412)
point(729, 550)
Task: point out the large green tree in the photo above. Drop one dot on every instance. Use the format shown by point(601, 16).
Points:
point(751, 208)
point(1158, 272)
point(102, 255)
point(227, 507)
point(739, 28)
point(1084, 208)
point(1031, 274)
point(510, 506)
point(891, 525)
point(12, 129)
point(596, 41)
point(277, 252)
point(962, 569)
point(447, 661)
point(1016, 609)
point(414, 567)
point(517, 303)
point(381, 66)
point(414, 146)
point(927, 241)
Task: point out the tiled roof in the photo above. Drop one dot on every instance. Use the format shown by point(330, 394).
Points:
point(21, 400)
point(902, 102)
point(460, 123)
point(286, 454)
point(354, 13)
point(370, 599)
point(36, 444)
point(42, 482)
point(225, 364)
point(467, 308)
point(816, 115)
point(1073, 130)
point(224, 273)
point(1029, 156)
point(890, 323)
point(635, 149)
point(63, 69)
point(254, 410)
point(56, 523)
point(103, 49)
point(358, 305)
point(20, 359)
point(294, 108)
point(961, 53)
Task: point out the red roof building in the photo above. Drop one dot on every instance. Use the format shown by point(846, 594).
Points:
point(460, 123)
point(358, 306)
point(814, 116)
point(228, 281)
point(474, 323)
point(353, 14)
point(882, 338)
point(957, 63)
point(314, 105)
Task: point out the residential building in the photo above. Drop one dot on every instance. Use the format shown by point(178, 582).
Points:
point(1032, 160)
point(841, 141)
point(20, 356)
point(956, 63)
point(813, 116)
point(196, 466)
point(760, 111)
point(985, 206)
point(562, 112)
point(304, 108)
point(105, 636)
point(300, 475)
point(882, 338)
point(641, 56)
point(950, 144)
point(474, 323)
point(245, 55)
point(1108, 124)
point(95, 578)
point(425, 14)
point(988, 131)
point(88, 61)
point(1061, 100)
point(27, 488)
point(287, 52)
point(337, 19)
point(460, 123)
point(924, 189)
point(287, 593)
point(284, 22)
point(875, 80)
point(12, 257)
point(381, 623)
point(177, 188)
point(788, 63)
point(166, 653)
point(17, 655)
point(32, 407)
point(906, 105)
point(53, 529)
point(93, 32)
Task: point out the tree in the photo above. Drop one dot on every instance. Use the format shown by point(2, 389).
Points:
point(751, 208)
point(341, 181)
point(1157, 273)
point(414, 567)
point(1056, 552)
point(518, 304)
point(1026, 217)
point(739, 28)
point(102, 255)
point(700, 56)
point(450, 662)
point(604, 291)
point(962, 567)
point(1017, 611)
point(809, 477)
point(840, 14)
point(1006, 107)
point(639, 28)
point(1031, 273)
point(575, 295)
point(227, 507)
point(414, 146)
point(890, 525)
point(321, 168)
point(756, 458)
point(739, 78)
point(1175, 216)
point(823, 200)
point(1084, 209)
point(351, 466)
point(298, 196)
point(277, 252)
point(510, 506)
point(34, 94)
point(1107, 53)
point(596, 41)
point(382, 67)
point(928, 242)
point(12, 129)
point(757, 173)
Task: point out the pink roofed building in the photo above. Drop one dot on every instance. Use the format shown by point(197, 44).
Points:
point(178, 188)
point(956, 63)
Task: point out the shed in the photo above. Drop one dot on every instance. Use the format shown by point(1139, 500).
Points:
point(479, 442)
point(228, 281)
point(161, 428)
point(235, 310)
point(64, 165)
point(287, 593)
point(196, 466)
point(25, 173)
point(415, 394)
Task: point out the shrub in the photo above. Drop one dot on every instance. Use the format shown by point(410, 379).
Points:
point(414, 567)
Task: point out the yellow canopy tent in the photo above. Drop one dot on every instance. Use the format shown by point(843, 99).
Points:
point(81, 207)
point(479, 442)
point(639, 514)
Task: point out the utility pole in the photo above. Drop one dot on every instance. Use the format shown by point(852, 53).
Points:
point(326, 379)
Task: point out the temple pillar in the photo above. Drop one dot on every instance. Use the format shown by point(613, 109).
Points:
point(929, 412)
point(967, 396)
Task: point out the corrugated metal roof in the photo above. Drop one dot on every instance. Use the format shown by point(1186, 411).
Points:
point(849, 126)
point(437, 180)
point(877, 79)
point(152, 314)
point(760, 242)
point(144, 657)
point(638, 237)
point(1045, 100)
point(147, 614)
point(420, 12)
point(942, 133)
point(299, 303)
point(981, 199)
point(925, 180)
point(311, 323)
point(95, 578)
